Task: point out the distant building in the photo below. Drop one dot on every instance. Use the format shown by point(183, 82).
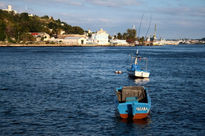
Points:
point(100, 37)
point(89, 31)
point(74, 40)
point(63, 36)
point(30, 15)
point(41, 36)
point(118, 42)
point(70, 40)
point(9, 9)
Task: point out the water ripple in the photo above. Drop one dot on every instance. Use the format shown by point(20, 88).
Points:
point(70, 90)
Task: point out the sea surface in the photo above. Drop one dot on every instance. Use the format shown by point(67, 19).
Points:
point(53, 91)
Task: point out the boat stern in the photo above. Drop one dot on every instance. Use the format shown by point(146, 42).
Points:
point(142, 74)
point(133, 102)
point(134, 110)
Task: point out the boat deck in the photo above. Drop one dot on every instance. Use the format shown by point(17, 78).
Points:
point(132, 91)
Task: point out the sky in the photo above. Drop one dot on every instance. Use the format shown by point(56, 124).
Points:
point(174, 19)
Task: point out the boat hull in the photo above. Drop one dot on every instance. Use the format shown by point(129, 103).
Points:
point(139, 74)
point(138, 110)
point(136, 116)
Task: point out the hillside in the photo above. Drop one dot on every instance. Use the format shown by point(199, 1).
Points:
point(16, 28)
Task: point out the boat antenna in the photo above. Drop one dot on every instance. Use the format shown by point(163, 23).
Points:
point(137, 52)
point(149, 25)
point(140, 25)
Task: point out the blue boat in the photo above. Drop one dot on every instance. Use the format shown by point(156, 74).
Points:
point(133, 102)
point(138, 68)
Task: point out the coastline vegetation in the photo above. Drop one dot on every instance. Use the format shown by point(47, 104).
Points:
point(129, 36)
point(16, 28)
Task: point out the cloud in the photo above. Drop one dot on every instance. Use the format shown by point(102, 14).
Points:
point(54, 2)
point(183, 11)
point(113, 3)
point(79, 18)
point(2, 5)
point(70, 2)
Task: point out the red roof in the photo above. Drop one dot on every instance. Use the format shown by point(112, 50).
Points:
point(34, 33)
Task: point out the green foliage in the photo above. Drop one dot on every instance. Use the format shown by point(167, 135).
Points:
point(24, 17)
point(119, 36)
point(109, 37)
point(45, 17)
point(129, 36)
point(142, 39)
point(26, 37)
point(17, 27)
point(124, 36)
point(2, 31)
point(77, 30)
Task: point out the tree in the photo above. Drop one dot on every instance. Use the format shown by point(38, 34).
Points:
point(24, 16)
point(124, 36)
point(142, 39)
point(119, 36)
point(45, 17)
point(2, 31)
point(109, 37)
point(26, 37)
point(16, 27)
point(131, 35)
point(68, 29)
point(77, 30)
point(115, 37)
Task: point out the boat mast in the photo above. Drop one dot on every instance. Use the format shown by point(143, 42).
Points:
point(149, 26)
point(140, 25)
point(136, 57)
point(155, 32)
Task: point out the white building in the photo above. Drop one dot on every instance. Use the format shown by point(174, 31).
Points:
point(74, 40)
point(9, 9)
point(118, 42)
point(100, 37)
point(70, 40)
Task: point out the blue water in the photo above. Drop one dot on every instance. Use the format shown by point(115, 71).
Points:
point(70, 90)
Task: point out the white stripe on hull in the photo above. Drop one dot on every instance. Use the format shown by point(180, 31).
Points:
point(139, 74)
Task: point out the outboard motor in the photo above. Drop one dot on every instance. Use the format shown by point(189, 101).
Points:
point(129, 108)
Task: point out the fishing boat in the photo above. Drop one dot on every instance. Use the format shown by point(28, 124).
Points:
point(138, 69)
point(134, 102)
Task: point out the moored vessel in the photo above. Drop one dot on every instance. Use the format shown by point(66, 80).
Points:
point(138, 70)
point(134, 102)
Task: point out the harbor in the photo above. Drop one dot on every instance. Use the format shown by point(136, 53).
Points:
point(102, 67)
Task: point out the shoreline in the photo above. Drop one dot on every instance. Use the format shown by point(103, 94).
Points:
point(69, 45)
point(58, 45)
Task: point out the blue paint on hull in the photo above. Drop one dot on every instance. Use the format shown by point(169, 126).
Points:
point(132, 107)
